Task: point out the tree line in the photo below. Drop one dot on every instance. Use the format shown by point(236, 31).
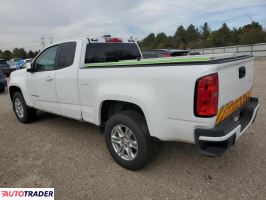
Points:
point(184, 38)
point(17, 53)
point(203, 37)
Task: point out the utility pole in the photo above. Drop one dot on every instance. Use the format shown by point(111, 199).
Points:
point(251, 19)
point(43, 42)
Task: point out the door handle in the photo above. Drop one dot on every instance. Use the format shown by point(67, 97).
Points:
point(49, 78)
point(242, 72)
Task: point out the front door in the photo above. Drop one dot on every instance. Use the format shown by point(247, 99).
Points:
point(42, 81)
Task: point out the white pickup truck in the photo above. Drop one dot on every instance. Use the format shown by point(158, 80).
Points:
point(205, 100)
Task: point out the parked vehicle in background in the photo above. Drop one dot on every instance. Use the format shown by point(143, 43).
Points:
point(204, 100)
point(19, 63)
point(3, 82)
point(23, 65)
point(149, 54)
point(194, 53)
point(5, 67)
point(158, 53)
point(15, 63)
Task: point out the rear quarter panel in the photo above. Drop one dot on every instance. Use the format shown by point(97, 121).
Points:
point(165, 94)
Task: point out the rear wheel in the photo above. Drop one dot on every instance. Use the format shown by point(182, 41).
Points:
point(23, 113)
point(127, 140)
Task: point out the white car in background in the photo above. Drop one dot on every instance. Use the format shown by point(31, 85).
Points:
point(15, 63)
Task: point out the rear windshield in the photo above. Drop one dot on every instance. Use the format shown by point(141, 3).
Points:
point(111, 52)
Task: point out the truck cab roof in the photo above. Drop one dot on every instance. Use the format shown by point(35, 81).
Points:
point(110, 39)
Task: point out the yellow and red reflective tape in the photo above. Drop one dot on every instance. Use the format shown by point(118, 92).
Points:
point(231, 107)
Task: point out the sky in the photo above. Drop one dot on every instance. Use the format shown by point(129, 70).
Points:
point(24, 22)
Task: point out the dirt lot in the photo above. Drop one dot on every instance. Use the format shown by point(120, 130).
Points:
point(71, 157)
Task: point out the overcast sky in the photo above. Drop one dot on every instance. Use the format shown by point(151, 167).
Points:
point(24, 22)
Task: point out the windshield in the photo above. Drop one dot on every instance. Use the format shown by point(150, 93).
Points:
point(111, 52)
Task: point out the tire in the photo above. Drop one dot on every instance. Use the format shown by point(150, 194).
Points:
point(135, 151)
point(23, 113)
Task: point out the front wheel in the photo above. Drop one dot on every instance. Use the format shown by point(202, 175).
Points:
point(23, 113)
point(127, 140)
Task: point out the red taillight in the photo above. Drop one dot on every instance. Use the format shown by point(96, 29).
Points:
point(110, 39)
point(206, 96)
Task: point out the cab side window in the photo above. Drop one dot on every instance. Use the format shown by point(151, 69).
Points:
point(66, 54)
point(46, 61)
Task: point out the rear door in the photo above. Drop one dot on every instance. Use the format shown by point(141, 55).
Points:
point(41, 81)
point(66, 78)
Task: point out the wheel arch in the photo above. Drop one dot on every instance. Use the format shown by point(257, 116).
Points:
point(12, 89)
point(110, 107)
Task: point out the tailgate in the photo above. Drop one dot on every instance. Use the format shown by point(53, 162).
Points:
point(235, 83)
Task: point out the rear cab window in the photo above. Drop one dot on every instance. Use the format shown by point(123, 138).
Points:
point(111, 52)
point(65, 55)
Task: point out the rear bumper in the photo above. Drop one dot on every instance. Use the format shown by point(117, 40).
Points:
point(215, 141)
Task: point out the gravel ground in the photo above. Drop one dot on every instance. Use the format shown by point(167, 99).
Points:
point(71, 156)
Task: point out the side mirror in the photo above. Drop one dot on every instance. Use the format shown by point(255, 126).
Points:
point(28, 67)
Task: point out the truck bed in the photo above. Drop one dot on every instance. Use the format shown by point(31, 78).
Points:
point(182, 60)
